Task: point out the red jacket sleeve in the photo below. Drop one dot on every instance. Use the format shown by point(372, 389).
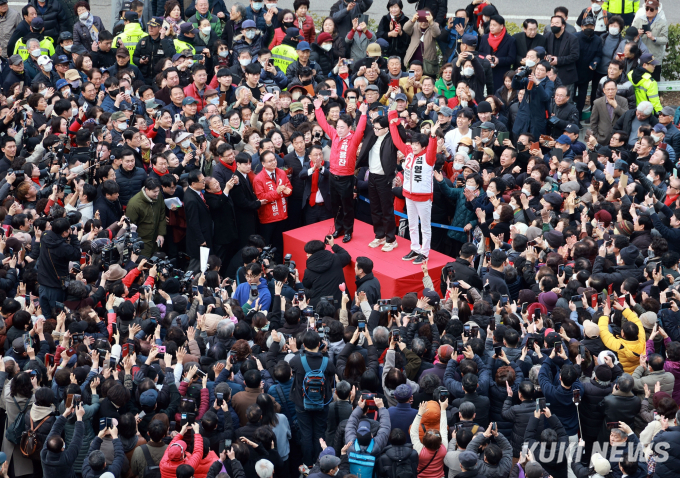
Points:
point(359, 133)
point(431, 153)
point(328, 129)
point(130, 277)
point(396, 139)
point(205, 403)
point(197, 455)
point(183, 385)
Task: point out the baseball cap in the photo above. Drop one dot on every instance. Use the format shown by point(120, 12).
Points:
point(131, 16)
point(125, 106)
point(296, 106)
point(37, 23)
point(155, 22)
point(372, 88)
point(572, 129)
point(668, 110)
point(61, 84)
point(587, 20)
point(116, 116)
point(151, 104)
point(564, 139)
point(648, 58)
point(402, 97)
point(72, 75)
point(187, 27)
point(659, 128)
point(59, 59)
point(177, 56)
point(488, 125)
point(64, 36)
point(4, 2)
point(328, 462)
point(189, 100)
point(16, 60)
point(632, 32)
point(467, 459)
point(444, 110)
point(302, 46)
point(248, 24)
point(621, 165)
point(122, 52)
point(43, 60)
point(148, 398)
point(469, 39)
point(374, 50)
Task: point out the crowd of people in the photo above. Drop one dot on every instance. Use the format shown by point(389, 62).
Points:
point(154, 326)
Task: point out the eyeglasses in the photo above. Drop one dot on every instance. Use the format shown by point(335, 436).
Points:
point(650, 9)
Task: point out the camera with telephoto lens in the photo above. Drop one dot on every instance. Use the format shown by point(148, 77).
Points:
point(20, 175)
point(420, 315)
point(267, 254)
point(522, 72)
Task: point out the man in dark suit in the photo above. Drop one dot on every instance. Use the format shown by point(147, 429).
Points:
point(316, 199)
point(379, 153)
point(499, 48)
point(294, 161)
point(563, 52)
point(225, 231)
point(199, 222)
point(527, 40)
point(245, 200)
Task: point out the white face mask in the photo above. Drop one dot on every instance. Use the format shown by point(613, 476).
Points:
point(457, 166)
point(271, 5)
point(486, 140)
point(214, 101)
point(84, 16)
point(244, 62)
point(596, 8)
point(43, 92)
point(514, 207)
point(496, 216)
point(471, 188)
point(650, 177)
point(68, 47)
point(530, 63)
point(250, 34)
point(656, 138)
point(206, 30)
point(257, 6)
point(66, 92)
point(464, 150)
point(122, 125)
point(128, 92)
point(527, 193)
point(468, 71)
point(224, 53)
point(185, 144)
point(74, 111)
point(327, 46)
point(614, 31)
point(35, 53)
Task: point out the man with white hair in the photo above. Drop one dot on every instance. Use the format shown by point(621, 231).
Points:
point(31, 63)
point(264, 469)
point(631, 121)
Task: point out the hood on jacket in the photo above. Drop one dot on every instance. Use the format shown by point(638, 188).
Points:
point(38, 412)
point(320, 262)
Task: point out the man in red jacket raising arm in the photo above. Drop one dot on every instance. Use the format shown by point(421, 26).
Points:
point(345, 144)
point(417, 188)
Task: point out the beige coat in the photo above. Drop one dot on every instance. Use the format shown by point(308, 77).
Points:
point(22, 465)
point(600, 122)
point(429, 41)
point(659, 30)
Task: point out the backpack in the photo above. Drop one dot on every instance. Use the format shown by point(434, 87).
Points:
point(295, 431)
point(402, 468)
point(314, 386)
point(361, 462)
point(151, 470)
point(16, 429)
point(31, 443)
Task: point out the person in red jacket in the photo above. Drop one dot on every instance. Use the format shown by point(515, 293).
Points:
point(345, 144)
point(273, 186)
point(197, 88)
point(176, 454)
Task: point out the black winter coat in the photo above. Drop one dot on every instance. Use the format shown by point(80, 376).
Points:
point(371, 286)
point(497, 396)
point(462, 271)
point(130, 183)
point(55, 18)
point(618, 408)
point(61, 464)
point(556, 465)
point(519, 415)
point(506, 53)
point(393, 454)
point(109, 212)
point(590, 410)
point(223, 217)
point(55, 255)
point(590, 51)
point(326, 59)
point(567, 57)
point(398, 44)
point(324, 273)
point(625, 122)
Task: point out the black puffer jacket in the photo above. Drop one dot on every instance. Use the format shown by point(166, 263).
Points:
point(619, 407)
point(55, 18)
point(326, 59)
point(497, 396)
point(590, 411)
point(324, 274)
point(55, 254)
point(519, 415)
point(130, 183)
point(394, 454)
point(398, 44)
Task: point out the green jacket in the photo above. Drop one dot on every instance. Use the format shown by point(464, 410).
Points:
point(149, 216)
point(617, 7)
point(215, 22)
point(448, 93)
point(463, 215)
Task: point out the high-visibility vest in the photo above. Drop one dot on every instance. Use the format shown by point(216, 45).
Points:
point(646, 90)
point(284, 55)
point(46, 48)
point(180, 46)
point(618, 7)
point(131, 35)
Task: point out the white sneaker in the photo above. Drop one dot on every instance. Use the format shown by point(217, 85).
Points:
point(389, 246)
point(376, 242)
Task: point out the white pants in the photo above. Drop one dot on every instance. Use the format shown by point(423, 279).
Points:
point(420, 210)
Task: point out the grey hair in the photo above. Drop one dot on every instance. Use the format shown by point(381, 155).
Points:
point(429, 383)
point(533, 376)
point(646, 108)
point(381, 335)
point(32, 40)
point(264, 469)
point(97, 460)
point(362, 79)
point(467, 409)
point(241, 9)
point(464, 157)
point(626, 383)
point(418, 346)
point(620, 434)
point(225, 329)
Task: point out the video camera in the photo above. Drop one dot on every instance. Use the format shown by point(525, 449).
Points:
point(267, 254)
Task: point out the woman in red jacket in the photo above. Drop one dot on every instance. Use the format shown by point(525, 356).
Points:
point(286, 20)
point(304, 22)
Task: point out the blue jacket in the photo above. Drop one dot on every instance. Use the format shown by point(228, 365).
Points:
point(534, 108)
point(590, 55)
point(560, 399)
point(287, 405)
point(454, 37)
point(455, 387)
point(402, 416)
point(242, 294)
point(109, 104)
point(260, 22)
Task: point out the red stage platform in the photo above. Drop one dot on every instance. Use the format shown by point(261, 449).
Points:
point(396, 277)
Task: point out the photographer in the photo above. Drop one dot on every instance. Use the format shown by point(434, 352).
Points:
point(253, 289)
point(324, 272)
point(59, 246)
point(535, 106)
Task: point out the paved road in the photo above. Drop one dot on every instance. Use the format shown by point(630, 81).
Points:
point(512, 10)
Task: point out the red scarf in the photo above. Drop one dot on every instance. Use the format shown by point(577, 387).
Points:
point(231, 167)
point(671, 199)
point(315, 188)
point(159, 173)
point(36, 181)
point(495, 41)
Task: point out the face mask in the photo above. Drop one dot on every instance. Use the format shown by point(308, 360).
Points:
point(114, 93)
point(288, 24)
point(48, 67)
point(471, 188)
point(68, 47)
point(468, 71)
point(224, 53)
point(496, 216)
point(74, 111)
point(244, 62)
point(206, 30)
point(457, 166)
point(258, 6)
point(35, 53)
point(589, 32)
point(66, 92)
point(271, 5)
point(186, 143)
point(555, 30)
point(76, 84)
point(128, 92)
point(656, 138)
point(486, 140)
point(306, 82)
point(530, 63)
point(463, 103)
point(122, 125)
point(327, 46)
point(84, 16)
point(214, 101)
point(596, 8)
point(514, 207)
point(527, 193)
point(43, 92)
point(464, 150)
point(614, 31)
point(250, 34)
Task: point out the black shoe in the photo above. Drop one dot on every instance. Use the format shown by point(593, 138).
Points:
point(420, 259)
point(410, 256)
point(337, 233)
point(347, 237)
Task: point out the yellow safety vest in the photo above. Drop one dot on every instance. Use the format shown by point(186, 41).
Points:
point(646, 90)
point(284, 55)
point(131, 35)
point(46, 48)
point(180, 46)
point(617, 7)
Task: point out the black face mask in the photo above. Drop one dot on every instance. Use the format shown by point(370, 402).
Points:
point(589, 32)
point(298, 119)
point(306, 82)
point(555, 30)
point(288, 24)
point(114, 93)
